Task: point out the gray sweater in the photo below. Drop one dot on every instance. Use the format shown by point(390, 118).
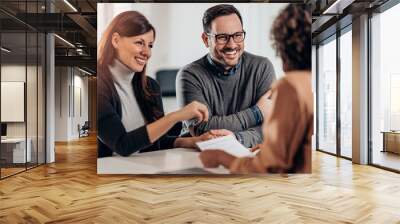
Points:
point(230, 98)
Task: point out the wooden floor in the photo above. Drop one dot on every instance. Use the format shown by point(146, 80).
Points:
point(70, 191)
point(10, 171)
point(387, 159)
point(5, 172)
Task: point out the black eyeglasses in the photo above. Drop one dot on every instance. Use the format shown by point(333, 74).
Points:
point(224, 38)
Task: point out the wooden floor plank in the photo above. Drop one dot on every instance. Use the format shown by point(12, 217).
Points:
point(70, 191)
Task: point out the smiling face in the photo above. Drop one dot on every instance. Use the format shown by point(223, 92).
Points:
point(227, 54)
point(134, 51)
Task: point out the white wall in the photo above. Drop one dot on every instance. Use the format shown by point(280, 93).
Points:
point(16, 72)
point(68, 81)
point(61, 103)
point(33, 125)
point(178, 30)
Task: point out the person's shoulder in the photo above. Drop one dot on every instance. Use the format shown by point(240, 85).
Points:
point(262, 66)
point(295, 80)
point(151, 80)
point(104, 83)
point(282, 83)
point(284, 90)
point(194, 68)
point(195, 65)
point(295, 77)
point(152, 84)
point(253, 59)
point(299, 79)
point(296, 86)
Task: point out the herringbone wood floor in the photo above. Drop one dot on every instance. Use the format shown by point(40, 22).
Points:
point(70, 191)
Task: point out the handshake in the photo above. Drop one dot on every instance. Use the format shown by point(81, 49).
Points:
point(197, 112)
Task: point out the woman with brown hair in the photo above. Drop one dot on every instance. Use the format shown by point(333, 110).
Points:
point(289, 122)
point(130, 112)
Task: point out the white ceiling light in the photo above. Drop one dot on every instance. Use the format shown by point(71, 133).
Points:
point(64, 40)
point(5, 50)
point(70, 5)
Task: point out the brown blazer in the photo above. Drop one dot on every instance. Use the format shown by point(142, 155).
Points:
point(287, 129)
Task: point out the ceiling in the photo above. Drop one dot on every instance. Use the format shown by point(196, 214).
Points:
point(74, 22)
point(330, 15)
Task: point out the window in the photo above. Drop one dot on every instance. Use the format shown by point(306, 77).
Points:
point(22, 69)
point(327, 96)
point(346, 94)
point(385, 89)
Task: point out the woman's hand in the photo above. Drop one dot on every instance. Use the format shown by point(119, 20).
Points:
point(158, 128)
point(194, 110)
point(256, 147)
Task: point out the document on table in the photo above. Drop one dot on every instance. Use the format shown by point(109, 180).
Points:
point(228, 143)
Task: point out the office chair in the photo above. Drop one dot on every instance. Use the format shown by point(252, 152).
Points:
point(84, 130)
point(166, 78)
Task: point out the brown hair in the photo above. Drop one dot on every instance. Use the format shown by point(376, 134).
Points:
point(126, 24)
point(217, 11)
point(291, 36)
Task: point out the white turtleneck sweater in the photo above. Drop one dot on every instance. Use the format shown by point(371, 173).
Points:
point(132, 117)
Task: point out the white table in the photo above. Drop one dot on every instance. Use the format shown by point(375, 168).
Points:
point(18, 149)
point(171, 161)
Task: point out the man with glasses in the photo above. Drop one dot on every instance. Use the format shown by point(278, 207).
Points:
point(231, 82)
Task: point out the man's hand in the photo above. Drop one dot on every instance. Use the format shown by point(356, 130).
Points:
point(221, 132)
point(213, 134)
point(190, 142)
